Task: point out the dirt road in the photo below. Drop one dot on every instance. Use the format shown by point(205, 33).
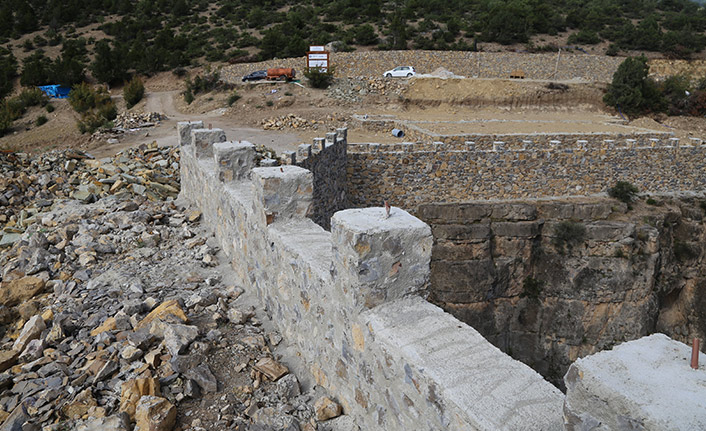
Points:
point(166, 134)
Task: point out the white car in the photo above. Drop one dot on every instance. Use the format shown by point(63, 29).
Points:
point(401, 71)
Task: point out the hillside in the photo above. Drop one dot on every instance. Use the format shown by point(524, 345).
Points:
point(62, 41)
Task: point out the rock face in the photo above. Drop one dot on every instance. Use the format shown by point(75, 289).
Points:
point(552, 281)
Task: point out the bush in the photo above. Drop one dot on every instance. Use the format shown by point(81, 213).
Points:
point(96, 107)
point(82, 98)
point(133, 92)
point(50, 107)
point(188, 96)
point(567, 235)
point(33, 97)
point(41, 120)
point(623, 191)
point(319, 78)
point(234, 97)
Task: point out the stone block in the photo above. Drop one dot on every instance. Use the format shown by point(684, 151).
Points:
point(318, 144)
point(342, 134)
point(285, 191)
point(330, 138)
point(234, 160)
point(184, 129)
point(645, 384)
point(461, 232)
point(384, 258)
point(203, 140)
point(289, 158)
point(526, 229)
point(464, 281)
point(304, 151)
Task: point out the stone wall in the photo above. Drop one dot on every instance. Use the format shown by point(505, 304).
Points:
point(409, 175)
point(507, 269)
point(326, 158)
point(591, 68)
point(351, 302)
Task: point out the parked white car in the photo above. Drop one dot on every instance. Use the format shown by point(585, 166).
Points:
point(400, 72)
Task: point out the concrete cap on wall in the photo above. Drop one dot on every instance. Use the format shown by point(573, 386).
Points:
point(234, 160)
point(385, 257)
point(285, 191)
point(647, 382)
point(184, 129)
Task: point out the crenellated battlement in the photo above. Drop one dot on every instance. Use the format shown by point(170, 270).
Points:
point(352, 302)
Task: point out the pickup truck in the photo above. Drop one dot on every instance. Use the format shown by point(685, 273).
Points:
point(283, 73)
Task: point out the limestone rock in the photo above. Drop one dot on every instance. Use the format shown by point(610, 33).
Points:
point(154, 414)
point(8, 358)
point(178, 337)
point(108, 325)
point(32, 330)
point(203, 376)
point(118, 422)
point(326, 409)
point(132, 390)
point(33, 351)
point(271, 368)
point(15, 291)
point(80, 405)
point(164, 309)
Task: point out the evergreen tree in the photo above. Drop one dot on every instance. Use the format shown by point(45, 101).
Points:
point(8, 70)
point(632, 91)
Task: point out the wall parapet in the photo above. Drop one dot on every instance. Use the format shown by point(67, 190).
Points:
point(348, 299)
point(411, 174)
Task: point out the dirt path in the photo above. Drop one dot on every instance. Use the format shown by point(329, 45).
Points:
point(166, 132)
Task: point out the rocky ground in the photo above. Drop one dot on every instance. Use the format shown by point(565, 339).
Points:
point(116, 308)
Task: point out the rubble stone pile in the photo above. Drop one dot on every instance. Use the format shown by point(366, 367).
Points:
point(136, 120)
point(116, 312)
point(291, 121)
point(29, 185)
point(354, 89)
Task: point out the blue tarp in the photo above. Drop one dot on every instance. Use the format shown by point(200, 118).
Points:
point(56, 91)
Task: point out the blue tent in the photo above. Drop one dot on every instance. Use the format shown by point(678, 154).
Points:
point(56, 91)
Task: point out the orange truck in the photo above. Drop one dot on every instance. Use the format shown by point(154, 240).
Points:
point(283, 73)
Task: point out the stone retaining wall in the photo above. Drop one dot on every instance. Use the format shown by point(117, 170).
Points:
point(591, 68)
point(351, 302)
point(412, 174)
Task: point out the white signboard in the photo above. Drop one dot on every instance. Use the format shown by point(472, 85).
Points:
point(318, 56)
point(321, 64)
point(317, 48)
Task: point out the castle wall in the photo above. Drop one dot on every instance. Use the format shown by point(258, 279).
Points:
point(413, 174)
point(351, 301)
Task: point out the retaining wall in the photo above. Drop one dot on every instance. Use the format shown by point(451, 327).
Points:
point(352, 302)
point(412, 174)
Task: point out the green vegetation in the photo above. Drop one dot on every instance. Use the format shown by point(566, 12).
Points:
point(234, 97)
point(13, 108)
point(8, 71)
point(133, 92)
point(623, 191)
point(41, 120)
point(319, 78)
point(95, 106)
point(145, 37)
point(567, 235)
point(633, 93)
point(532, 288)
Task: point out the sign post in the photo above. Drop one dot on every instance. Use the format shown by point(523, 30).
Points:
point(318, 58)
